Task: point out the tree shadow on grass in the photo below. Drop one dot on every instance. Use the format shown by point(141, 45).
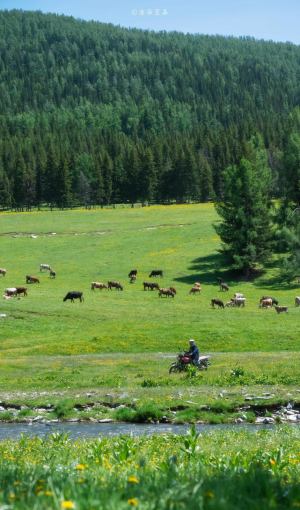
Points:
point(275, 281)
point(206, 270)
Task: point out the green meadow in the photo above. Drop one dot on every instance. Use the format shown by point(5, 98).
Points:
point(129, 339)
point(106, 244)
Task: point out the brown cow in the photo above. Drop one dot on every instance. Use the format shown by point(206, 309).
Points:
point(165, 292)
point(115, 284)
point(280, 309)
point(151, 285)
point(194, 290)
point(197, 284)
point(32, 279)
point(217, 302)
point(266, 303)
point(219, 280)
point(133, 278)
point(52, 273)
point(173, 290)
point(3, 271)
point(98, 285)
point(21, 290)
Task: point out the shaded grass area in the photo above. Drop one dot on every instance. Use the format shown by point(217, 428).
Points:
point(183, 245)
point(221, 469)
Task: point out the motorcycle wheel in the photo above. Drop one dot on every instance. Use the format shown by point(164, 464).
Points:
point(174, 369)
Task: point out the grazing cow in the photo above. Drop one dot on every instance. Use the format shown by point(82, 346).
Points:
point(197, 285)
point(217, 302)
point(7, 297)
point(239, 301)
point(11, 291)
point(32, 279)
point(74, 295)
point(267, 297)
point(224, 286)
point(280, 309)
point(173, 290)
point(194, 290)
point(52, 273)
point(22, 290)
point(265, 303)
point(165, 292)
point(133, 272)
point(3, 271)
point(297, 301)
point(229, 303)
point(117, 285)
point(238, 295)
point(133, 278)
point(219, 280)
point(45, 266)
point(151, 285)
point(98, 285)
point(156, 273)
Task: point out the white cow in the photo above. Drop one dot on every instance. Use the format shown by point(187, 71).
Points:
point(297, 301)
point(11, 291)
point(46, 267)
point(239, 295)
point(2, 271)
point(240, 301)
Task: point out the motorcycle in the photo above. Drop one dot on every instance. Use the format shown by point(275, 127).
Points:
point(183, 360)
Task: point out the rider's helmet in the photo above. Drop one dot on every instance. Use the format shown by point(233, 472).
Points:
point(192, 341)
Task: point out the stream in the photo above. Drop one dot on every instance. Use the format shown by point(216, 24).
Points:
point(88, 431)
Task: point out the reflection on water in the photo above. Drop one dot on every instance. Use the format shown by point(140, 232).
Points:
point(87, 430)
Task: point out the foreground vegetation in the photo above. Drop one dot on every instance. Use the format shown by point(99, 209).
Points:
point(212, 470)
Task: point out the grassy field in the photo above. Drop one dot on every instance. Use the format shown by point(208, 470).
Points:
point(217, 470)
point(185, 247)
point(122, 339)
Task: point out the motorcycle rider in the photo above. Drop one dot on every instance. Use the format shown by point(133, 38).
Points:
point(193, 352)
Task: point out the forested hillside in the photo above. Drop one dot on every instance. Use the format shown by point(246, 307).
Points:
point(91, 113)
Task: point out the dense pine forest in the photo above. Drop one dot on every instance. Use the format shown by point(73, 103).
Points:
point(94, 114)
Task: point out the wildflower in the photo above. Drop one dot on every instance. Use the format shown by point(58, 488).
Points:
point(81, 480)
point(17, 483)
point(132, 501)
point(272, 462)
point(80, 466)
point(133, 479)
point(48, 493)
point(67, 504)
point(209, 495)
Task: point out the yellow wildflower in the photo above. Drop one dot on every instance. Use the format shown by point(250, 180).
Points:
point(133, 479)
point(80, 466)
point(132, 501)
point(48, 493)
point(209, 495)
point(67, 504)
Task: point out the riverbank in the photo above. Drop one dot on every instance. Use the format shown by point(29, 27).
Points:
point(155, 405)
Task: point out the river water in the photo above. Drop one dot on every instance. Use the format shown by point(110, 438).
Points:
point(87, 430)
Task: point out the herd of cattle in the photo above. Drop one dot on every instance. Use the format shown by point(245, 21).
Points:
point(237, 301)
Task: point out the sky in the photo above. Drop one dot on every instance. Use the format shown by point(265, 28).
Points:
point(263, 19)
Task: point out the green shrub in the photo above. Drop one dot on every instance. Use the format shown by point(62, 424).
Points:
point(147, 412)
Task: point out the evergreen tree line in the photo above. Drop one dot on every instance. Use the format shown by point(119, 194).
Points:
point(92, 114)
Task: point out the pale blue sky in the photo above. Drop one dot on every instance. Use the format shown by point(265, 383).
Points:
point(264, 19)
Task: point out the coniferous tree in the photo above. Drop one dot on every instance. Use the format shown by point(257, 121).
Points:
point(107, 170)
point(50, 174)
point(148, 177)
point(132, 175)
point(245, 230)
point(19, 178)
point(63, 184)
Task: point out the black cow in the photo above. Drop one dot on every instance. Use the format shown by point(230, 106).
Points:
point(74, 295)
point(133, 272)
point(156, 273)
point(273, 300)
